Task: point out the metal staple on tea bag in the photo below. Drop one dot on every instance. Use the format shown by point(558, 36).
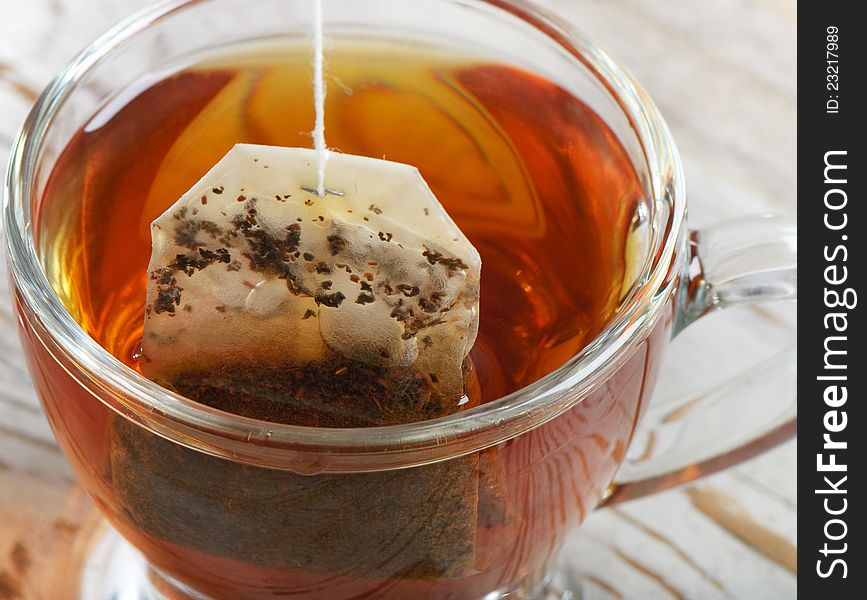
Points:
point(325, 191)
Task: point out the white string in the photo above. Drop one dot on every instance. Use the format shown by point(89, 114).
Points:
point(319, 98)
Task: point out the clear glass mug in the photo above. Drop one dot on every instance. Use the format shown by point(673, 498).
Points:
point(537, 461)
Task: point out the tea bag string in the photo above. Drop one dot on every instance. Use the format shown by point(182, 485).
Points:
point(319, 98)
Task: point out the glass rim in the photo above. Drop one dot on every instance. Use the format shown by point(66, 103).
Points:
point(314, 449)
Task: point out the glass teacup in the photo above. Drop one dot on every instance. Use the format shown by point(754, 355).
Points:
point(220, 506)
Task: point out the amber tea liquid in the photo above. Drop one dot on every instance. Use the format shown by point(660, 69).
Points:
point(535, 180)
point(533, 177)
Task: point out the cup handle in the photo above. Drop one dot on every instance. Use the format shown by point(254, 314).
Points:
point(739, 262)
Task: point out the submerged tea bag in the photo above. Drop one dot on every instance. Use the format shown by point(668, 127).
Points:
point(252, 268)
point(355, 308)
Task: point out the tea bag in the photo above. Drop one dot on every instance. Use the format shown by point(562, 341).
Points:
point(355, 308)
point(417, 523)
point(250, 268)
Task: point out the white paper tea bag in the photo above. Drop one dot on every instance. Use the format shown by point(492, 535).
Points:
point(252, 271)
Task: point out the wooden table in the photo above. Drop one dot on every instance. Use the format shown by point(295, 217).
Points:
point(723, 73)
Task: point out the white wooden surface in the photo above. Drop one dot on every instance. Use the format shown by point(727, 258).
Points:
point(723, 73)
